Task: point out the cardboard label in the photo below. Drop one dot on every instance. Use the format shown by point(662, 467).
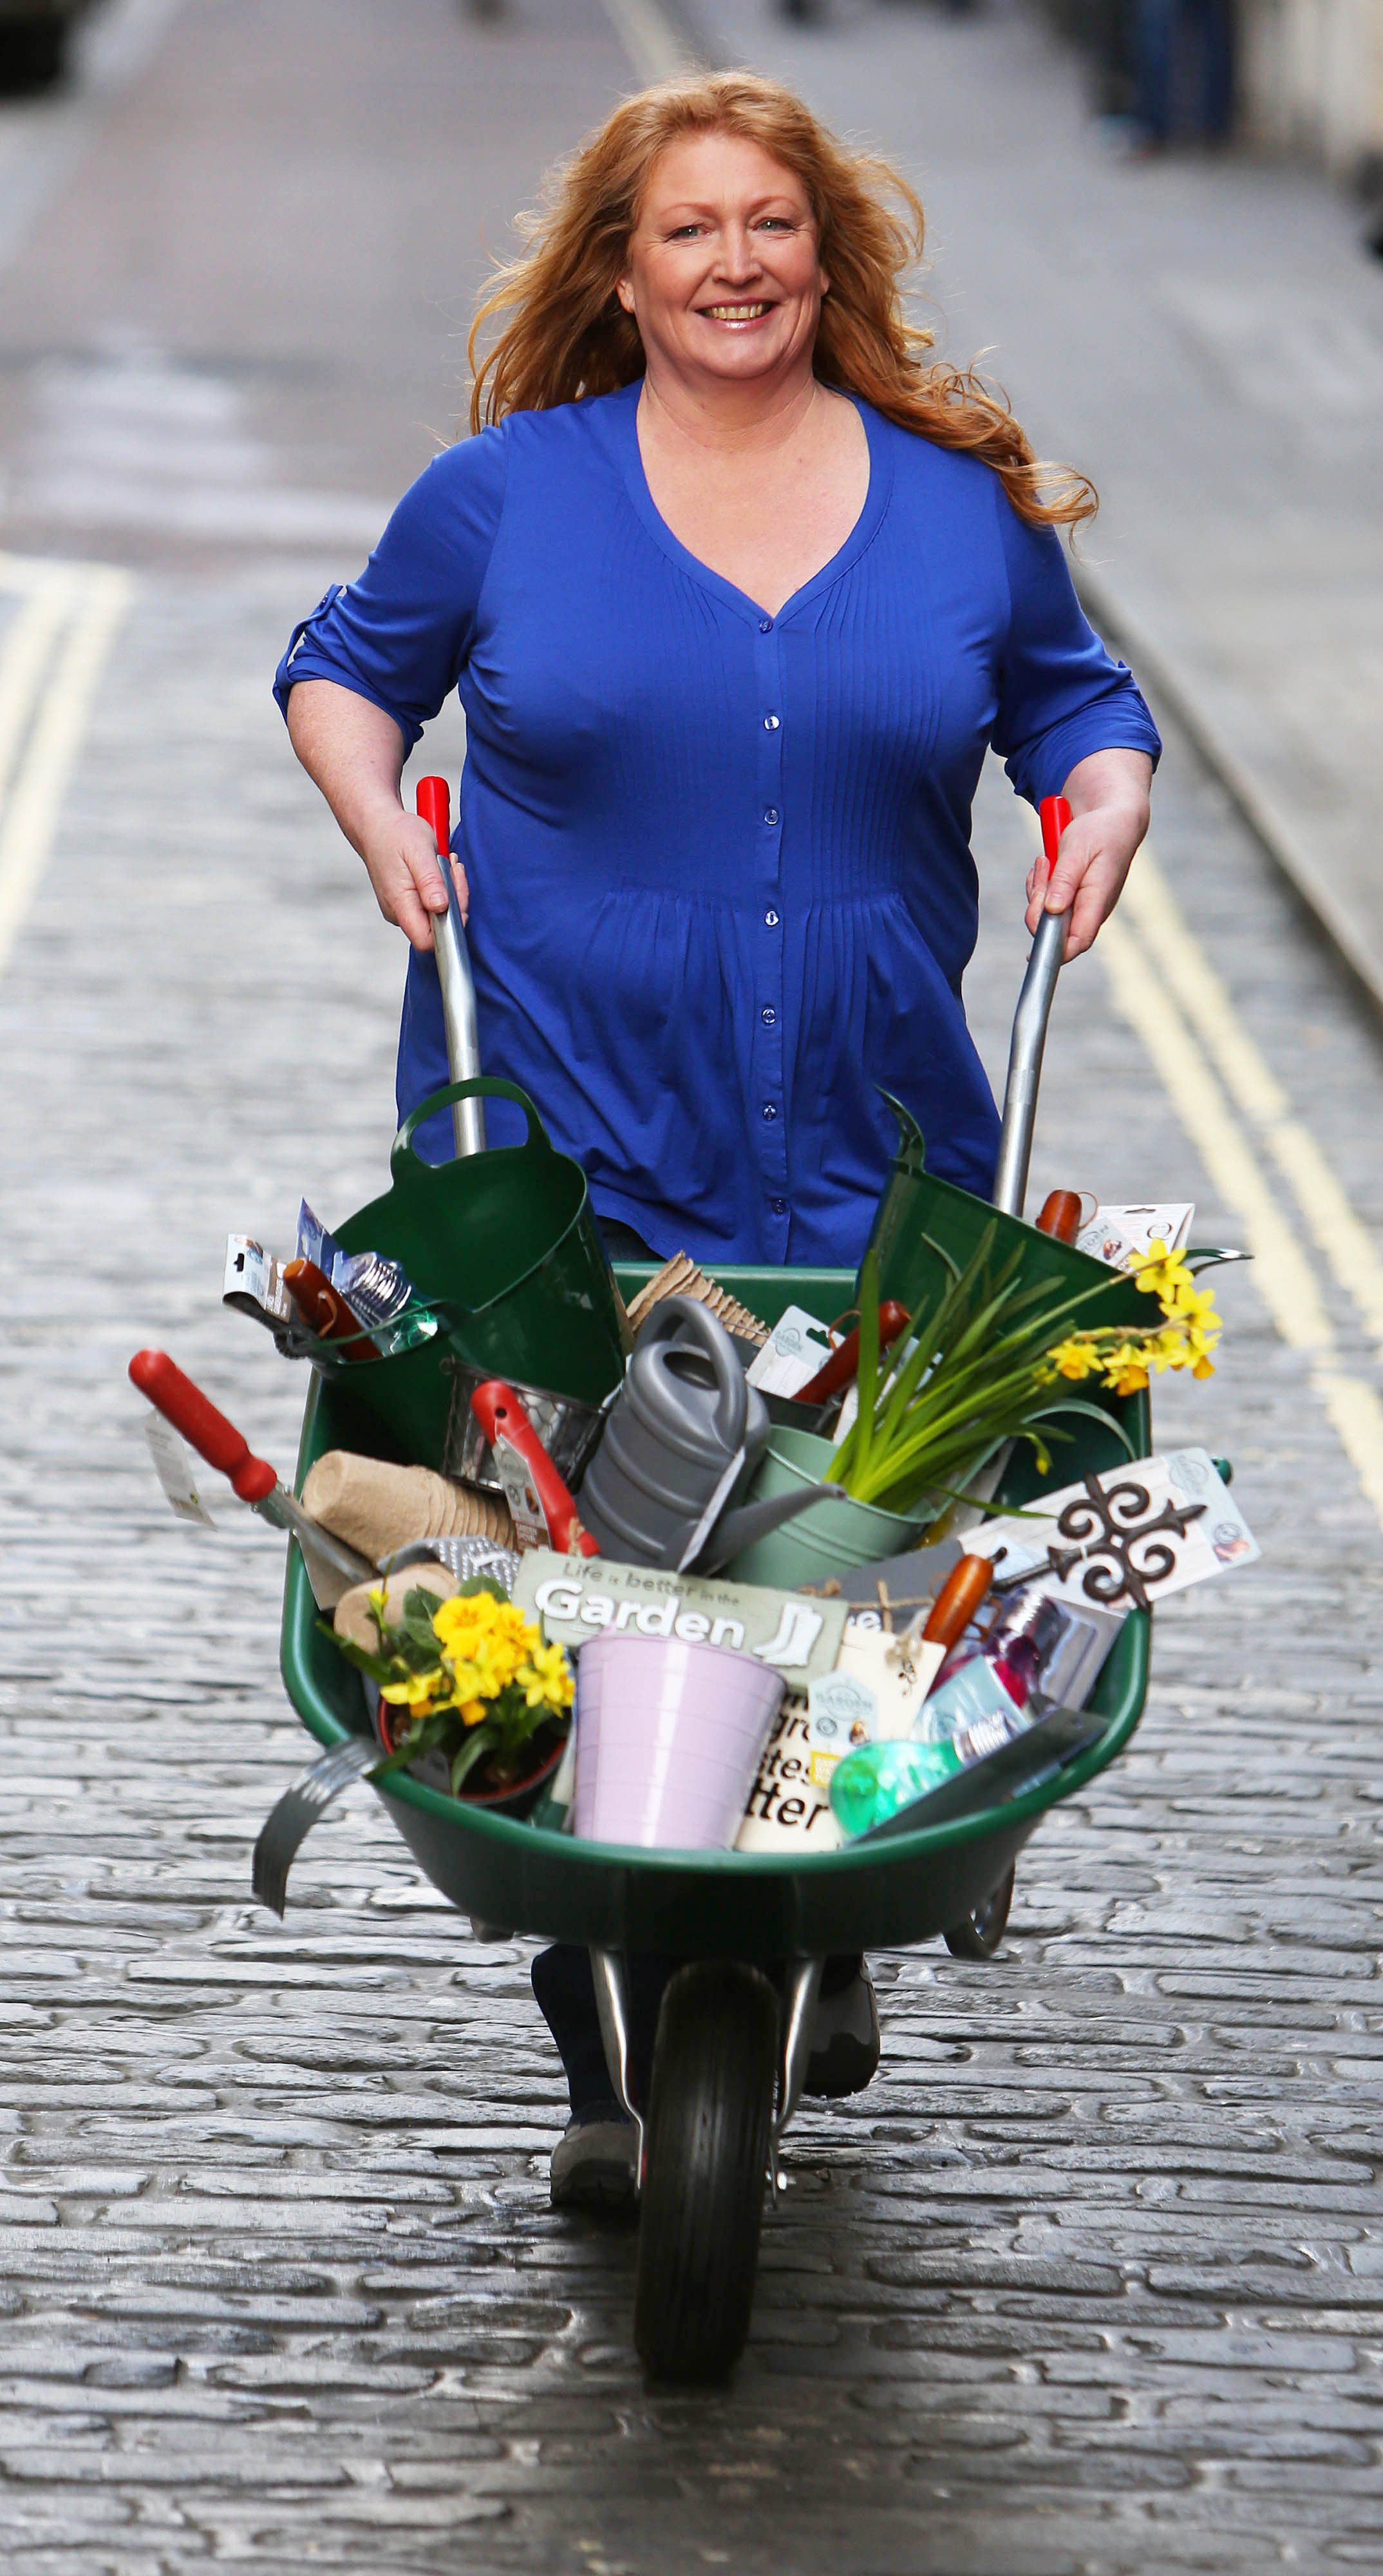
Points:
point(578, 1597)
point(797, 1347)
point(173, 1465)
point(521, 1495)
point(1135, 1533)
point(1114, 1233)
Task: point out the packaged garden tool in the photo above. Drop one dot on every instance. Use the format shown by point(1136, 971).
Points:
point(567, 1428)
point(254, 1283)
point(540, 1506)
point(324, 1311)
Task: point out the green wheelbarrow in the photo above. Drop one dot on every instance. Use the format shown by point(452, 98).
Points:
point(734, 2032)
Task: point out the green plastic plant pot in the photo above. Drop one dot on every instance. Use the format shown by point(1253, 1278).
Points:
point(826, 1535)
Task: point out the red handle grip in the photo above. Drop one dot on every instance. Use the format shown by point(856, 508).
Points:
point(193, 1414)
point(434, 805)
point(1053, 814)
point(497, 1410)
point(844, 1361)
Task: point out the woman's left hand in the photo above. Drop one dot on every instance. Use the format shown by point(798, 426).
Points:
point(1108, 797)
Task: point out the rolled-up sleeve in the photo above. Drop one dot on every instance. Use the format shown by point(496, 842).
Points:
point(1061, 695)
point(400, 634)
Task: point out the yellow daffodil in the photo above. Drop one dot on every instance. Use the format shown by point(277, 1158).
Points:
point(415, 1690)
point(1075, 1357)
point(1158, 1271)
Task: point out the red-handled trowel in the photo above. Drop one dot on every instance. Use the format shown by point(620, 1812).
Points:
point(332, 1567)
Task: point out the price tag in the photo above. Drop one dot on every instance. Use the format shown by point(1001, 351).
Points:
point(521, 1494)
point(173, 1465)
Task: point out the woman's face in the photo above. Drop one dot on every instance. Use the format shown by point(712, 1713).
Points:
point(724, 280)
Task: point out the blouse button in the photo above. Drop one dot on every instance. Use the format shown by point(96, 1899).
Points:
point(770, 813)
point(769, 1110)
point(768, 1016)
point(779, 1206)
point(770, 724)
point(770, 920)
point(765, 625)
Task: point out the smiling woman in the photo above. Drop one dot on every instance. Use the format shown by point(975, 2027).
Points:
point(737, 586)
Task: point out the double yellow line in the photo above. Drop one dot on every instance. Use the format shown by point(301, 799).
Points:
point(1240, 1120)
point(52, 655)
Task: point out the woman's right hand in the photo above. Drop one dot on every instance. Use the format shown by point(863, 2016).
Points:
point(354, 751)
point(400, 858)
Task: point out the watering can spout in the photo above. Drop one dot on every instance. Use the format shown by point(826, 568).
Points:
point(739, 1529)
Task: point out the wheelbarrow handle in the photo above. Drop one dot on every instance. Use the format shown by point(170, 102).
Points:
point(454, 973)
point(1030, 1031)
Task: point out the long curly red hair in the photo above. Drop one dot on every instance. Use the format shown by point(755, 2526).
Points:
point(567, 334)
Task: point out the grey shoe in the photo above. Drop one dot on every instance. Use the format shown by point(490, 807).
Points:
point(845, 2041)
point(593, 2161)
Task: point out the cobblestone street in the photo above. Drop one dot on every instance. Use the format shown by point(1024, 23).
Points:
point(1090, 2282)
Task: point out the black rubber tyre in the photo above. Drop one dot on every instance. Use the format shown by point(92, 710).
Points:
point(978, 1937)
point(33, 55)
point(710, 2110)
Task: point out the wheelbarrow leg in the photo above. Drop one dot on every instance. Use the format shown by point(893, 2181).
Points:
point(801, 1989)
point(612, 2005)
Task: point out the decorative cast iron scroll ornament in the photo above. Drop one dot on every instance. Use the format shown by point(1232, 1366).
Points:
point(1109, 1525)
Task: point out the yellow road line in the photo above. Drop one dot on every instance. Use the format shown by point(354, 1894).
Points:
point(29, 639)
point(649, 38)
point(1283, 1275)
point(30, 818)
point(1342, 1237)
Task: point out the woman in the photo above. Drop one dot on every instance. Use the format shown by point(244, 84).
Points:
point(736, 588)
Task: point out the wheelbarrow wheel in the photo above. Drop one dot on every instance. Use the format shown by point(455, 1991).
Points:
point(980, 1933)
point(710, 2110)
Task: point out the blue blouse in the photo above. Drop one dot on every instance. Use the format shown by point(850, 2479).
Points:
point(719, 862)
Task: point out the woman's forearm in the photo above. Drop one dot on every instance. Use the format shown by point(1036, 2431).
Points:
point(354, 752)
point(1108, 796)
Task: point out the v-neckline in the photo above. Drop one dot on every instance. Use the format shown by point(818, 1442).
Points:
point(876, 501)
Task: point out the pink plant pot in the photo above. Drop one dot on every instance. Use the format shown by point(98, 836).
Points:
point(668, 1739)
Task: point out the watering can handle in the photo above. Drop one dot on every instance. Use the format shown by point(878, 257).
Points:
point(454, 974)
point(1030, 1031)
point(684, 1323)
point(489, 1086)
